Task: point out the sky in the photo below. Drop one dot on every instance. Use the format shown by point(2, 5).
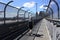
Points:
point(31, 4)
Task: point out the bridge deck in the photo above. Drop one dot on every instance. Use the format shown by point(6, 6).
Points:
point(40, 28)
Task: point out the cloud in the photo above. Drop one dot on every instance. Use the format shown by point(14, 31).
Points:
point(38, 13)
point(52, 3)
point(42, 7)
point(18, 7)
point(45, 7)
point(29, 4)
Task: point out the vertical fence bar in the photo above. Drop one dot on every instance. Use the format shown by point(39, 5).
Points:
point(52, 12)
point(56, 4)
point(5, 10)
point(24, 14)
point(57, 7)
point(18, 13)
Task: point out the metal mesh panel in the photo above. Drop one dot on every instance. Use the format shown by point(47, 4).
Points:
point(11, 12)
point(2, 10)
point(21, 13)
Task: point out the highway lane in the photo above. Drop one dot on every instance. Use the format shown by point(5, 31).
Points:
point(10, 21)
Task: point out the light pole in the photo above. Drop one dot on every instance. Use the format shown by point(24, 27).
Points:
point(36, 11)
point(5, 10)
point(18, 13)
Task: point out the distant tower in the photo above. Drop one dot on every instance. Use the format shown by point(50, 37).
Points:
point(36, 13)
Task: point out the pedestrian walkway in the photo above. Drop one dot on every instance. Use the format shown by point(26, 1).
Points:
point(40, 28)
point(43, 30)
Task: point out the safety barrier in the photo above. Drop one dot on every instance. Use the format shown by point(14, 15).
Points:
point(12, 29)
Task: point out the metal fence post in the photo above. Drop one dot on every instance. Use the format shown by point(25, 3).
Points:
point(18, 13)
point(5, 10)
